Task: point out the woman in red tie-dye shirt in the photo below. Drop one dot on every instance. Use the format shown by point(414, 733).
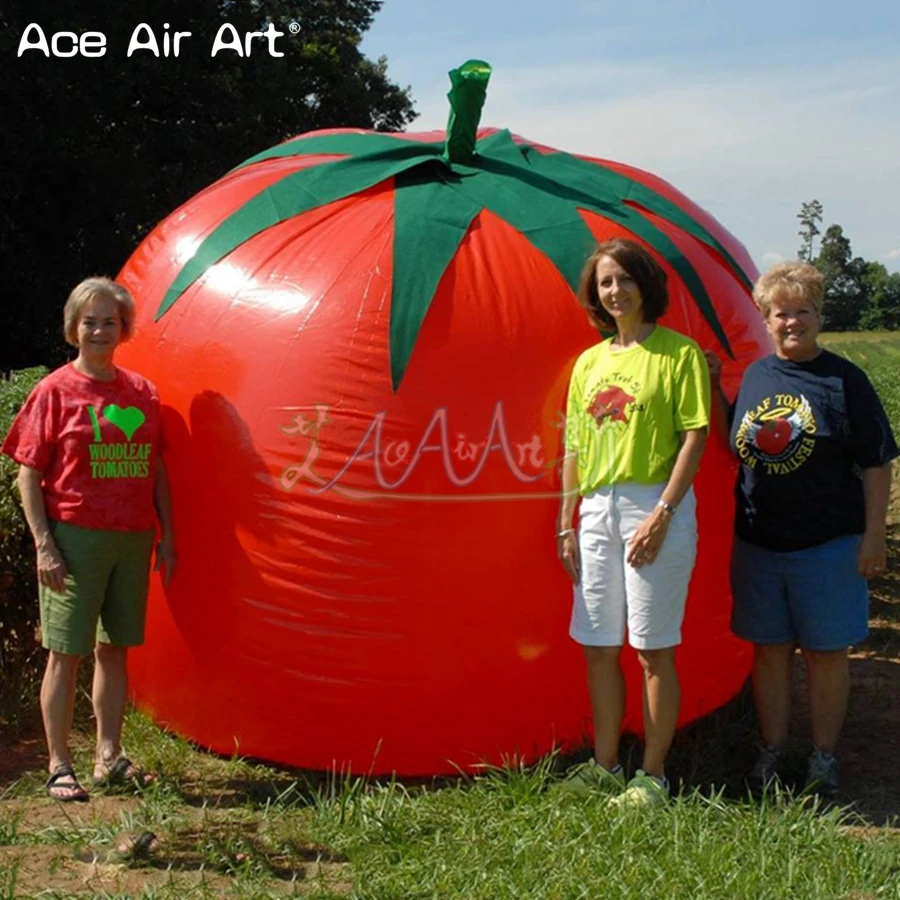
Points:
point(93, 486)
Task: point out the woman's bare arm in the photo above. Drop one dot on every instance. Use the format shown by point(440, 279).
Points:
point(50, 564)
point(873, 549)
point(566, 543)
point(162, 500)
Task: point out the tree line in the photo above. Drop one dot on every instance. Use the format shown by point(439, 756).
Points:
point(860, 295)
point(95, 150)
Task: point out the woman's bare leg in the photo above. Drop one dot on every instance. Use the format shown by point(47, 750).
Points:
point(109, 694)
point(606, 686)
point(662, 699)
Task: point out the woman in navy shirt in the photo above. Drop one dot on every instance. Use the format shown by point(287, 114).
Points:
point(815, 447)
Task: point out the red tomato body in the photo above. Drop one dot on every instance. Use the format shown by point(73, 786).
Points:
point(412, 616)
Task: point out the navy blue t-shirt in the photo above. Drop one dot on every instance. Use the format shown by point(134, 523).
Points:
point(803, 431)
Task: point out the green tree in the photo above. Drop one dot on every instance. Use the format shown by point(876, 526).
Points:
point(19, 647)
point(883, 288)
point(846, 292)
point(96, 151)
point(810, 217)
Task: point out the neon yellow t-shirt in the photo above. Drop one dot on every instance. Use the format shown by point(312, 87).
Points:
point(626, 408)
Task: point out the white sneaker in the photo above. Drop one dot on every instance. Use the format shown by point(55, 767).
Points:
point(642, 791)
point(591, 776)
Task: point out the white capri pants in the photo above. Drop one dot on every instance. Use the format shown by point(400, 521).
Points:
point(612, 594)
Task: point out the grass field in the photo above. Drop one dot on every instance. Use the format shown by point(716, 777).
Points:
point(878, 353)
point(230, 828)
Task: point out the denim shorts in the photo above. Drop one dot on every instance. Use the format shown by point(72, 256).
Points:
point(815, 597)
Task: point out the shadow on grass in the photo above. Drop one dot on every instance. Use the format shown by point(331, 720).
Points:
point(286, 789)
point(230, 847)
point(715, 753)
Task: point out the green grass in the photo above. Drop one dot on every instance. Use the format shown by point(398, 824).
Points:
point(878, 353)
point(505, 836)
point(231, 828)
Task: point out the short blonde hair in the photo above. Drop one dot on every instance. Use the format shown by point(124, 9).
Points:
point(87, 290)
point(799, 280)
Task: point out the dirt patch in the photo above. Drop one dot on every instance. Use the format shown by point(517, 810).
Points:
point(36, 814)
point(27, 755)
point(39, 868)
point(90, 849)
point(870, 741)
point(870, 746)
point(129, 863)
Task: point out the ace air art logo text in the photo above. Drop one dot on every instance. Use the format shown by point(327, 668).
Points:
point(168, 42)
point(778, 434)
point(386, 463)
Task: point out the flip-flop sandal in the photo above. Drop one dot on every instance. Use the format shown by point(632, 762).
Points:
point(121, 773)
point(76, 793)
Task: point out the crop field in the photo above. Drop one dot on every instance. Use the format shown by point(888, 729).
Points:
point(210, 827)
point(878, 353)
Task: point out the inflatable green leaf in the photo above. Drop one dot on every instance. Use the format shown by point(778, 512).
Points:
point(440, 187)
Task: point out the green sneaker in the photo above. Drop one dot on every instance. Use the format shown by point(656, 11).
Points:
point(591, 776)
point(643, 791)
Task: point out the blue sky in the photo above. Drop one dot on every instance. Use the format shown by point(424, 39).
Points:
point(748, 108)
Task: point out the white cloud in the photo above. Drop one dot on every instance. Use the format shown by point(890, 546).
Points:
point(894, 254)
point(748, 146)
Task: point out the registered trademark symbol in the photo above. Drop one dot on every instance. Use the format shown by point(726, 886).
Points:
point(294, 27)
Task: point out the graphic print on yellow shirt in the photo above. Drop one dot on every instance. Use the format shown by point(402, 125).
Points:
point(614, 403)
point(626, 409)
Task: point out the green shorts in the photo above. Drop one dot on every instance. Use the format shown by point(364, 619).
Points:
point(105, 596)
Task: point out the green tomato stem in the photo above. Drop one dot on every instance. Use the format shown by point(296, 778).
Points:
point(467, 92)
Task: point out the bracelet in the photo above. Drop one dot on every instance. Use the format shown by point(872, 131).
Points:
point(564, 532)
point(667, 507)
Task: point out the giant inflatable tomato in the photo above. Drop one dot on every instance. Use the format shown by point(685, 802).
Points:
point(362, 342)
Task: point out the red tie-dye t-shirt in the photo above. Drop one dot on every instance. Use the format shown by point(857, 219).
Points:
point(96, 443)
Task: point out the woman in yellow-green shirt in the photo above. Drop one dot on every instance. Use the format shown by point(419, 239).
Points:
point(637, 417)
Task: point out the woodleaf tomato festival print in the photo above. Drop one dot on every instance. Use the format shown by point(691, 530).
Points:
point(362, 342)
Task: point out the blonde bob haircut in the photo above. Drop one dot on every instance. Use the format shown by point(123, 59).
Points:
point(796, 280)
point(87, 290)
